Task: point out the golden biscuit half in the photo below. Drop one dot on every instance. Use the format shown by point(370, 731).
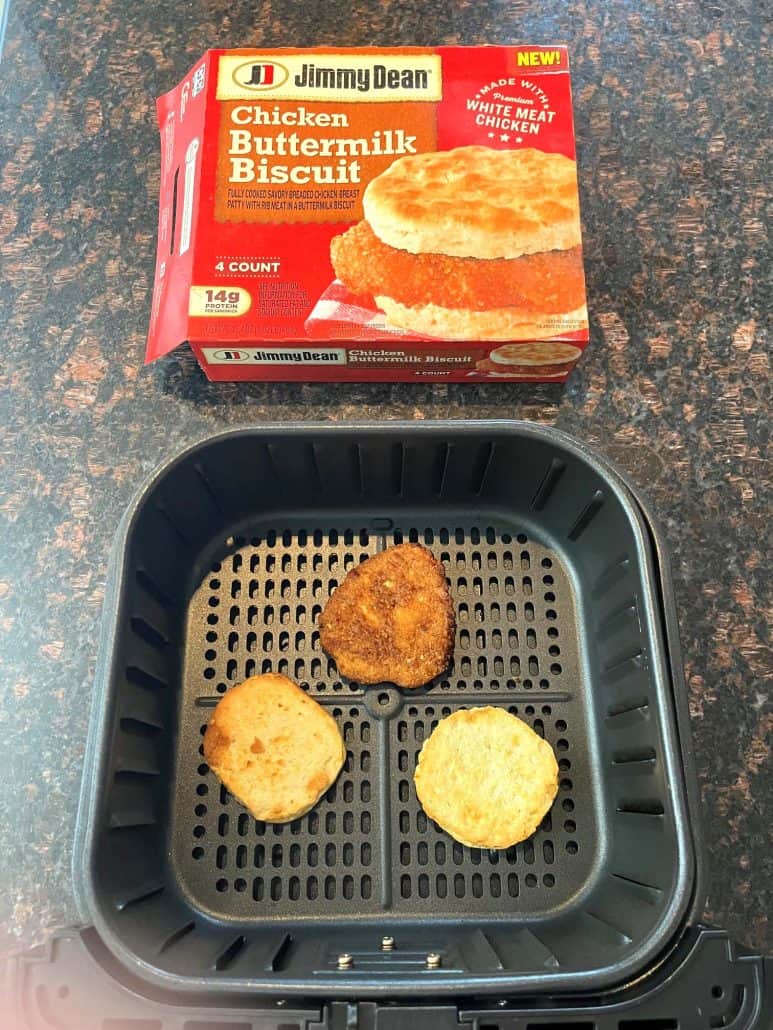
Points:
point(486, 777)
point(476, 202)
point(392, 619)
point(275, 749)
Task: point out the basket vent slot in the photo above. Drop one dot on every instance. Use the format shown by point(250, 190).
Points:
point(152, 636)
point(176, 937)
point(633, 755)
point(648, 1024)
point(587, 515)
point(549, 482)
point(644, 806)
point(229, 956)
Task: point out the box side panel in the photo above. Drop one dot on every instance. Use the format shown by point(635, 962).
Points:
point(181, 120)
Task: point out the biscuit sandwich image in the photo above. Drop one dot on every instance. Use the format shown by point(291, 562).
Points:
point(547, 359)
point(471, 244)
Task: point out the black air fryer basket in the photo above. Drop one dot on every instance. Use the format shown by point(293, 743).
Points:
point(564, 617)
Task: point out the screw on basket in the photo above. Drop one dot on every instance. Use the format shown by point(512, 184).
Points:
point(387, 944)
point(345, 960)
point(433, 960)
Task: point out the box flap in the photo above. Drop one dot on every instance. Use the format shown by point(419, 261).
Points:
point(181, 115)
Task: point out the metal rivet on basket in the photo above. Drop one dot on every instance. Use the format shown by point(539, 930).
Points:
point(345, 960)
point(387, 944)
point(433, 960)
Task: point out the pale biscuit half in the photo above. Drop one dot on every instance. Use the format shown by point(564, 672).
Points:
point(476, 202)
point(509, 323)
point(275, 749)
point(486, 777)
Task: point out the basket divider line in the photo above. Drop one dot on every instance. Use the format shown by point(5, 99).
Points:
point(385, 814)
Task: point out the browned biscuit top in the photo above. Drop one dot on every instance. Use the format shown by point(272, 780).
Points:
point(476, 202)
point(274, 748)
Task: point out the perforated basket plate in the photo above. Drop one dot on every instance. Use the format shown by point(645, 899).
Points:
point(228, 559)
point(368, 843)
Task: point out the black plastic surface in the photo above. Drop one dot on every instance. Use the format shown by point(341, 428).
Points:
point(222, 569)
point(74, 984)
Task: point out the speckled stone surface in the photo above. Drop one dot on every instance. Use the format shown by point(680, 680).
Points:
point(672, 138)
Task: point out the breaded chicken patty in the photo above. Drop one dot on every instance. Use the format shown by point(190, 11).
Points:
point(550, 282)
point(391, 619)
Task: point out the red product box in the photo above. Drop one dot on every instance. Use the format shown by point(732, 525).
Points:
point(373, 214)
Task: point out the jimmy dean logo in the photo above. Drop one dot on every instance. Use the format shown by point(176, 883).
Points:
point(331, 77)
point(264, 75)
point(363, 79)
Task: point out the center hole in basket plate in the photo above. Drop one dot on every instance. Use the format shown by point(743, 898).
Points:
point(367, 847)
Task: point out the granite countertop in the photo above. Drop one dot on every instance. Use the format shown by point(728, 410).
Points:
point(672, 140)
